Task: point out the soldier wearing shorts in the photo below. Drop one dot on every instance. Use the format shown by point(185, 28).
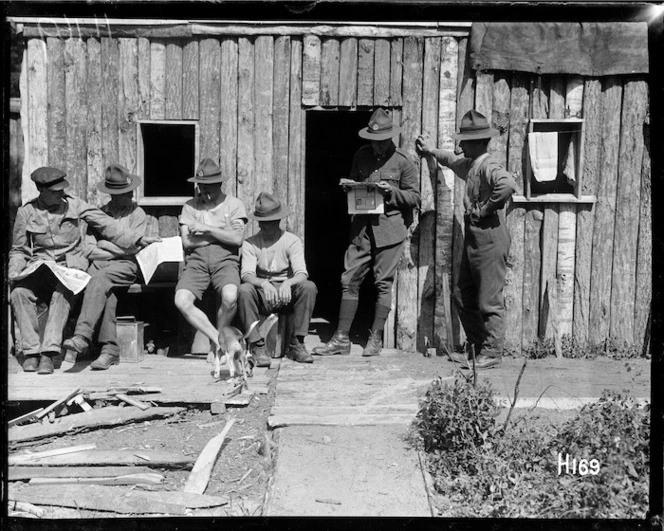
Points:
point(212, 231)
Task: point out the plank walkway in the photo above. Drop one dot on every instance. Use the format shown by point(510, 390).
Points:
point(185, 379)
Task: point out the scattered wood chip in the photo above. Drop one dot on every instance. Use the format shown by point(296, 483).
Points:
point(329, 501)
point(132, 401)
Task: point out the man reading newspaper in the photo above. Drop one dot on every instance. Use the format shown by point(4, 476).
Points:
point(48, 229)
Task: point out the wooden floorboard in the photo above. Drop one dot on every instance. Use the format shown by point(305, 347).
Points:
point(185, 379)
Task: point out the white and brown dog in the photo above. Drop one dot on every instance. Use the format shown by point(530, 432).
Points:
point(233, 348)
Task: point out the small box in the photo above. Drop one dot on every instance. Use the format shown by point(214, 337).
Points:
point(365, 199)
point(130, 339)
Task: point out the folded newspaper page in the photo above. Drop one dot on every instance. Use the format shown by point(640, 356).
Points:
point(74, 280)
point(167, 250)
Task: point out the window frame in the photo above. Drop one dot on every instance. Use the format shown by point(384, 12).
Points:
point(156, 200)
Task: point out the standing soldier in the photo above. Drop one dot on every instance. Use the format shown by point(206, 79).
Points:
point(49, 228)
point(478, 294)
point(376, 239)
point(112, 267)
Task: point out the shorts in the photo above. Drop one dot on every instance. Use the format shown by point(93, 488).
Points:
point(207, 265)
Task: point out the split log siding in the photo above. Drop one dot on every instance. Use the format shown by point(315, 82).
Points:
point(250, 95)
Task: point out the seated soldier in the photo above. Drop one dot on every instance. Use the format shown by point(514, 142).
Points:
point(212, 230)
point(111, 267)
point(49, 229)
point(275, 279)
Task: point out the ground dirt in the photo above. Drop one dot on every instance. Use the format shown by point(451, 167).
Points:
point(241, 472)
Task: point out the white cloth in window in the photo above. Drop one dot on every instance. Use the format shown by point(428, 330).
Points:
point(543, 148)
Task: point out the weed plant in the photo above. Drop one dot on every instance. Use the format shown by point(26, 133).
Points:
point(479, 470)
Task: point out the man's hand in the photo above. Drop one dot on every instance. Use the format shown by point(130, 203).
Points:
point(475, 213)
point(285, 293)
point(385, 188)
point(147, 240)
point(270, 292)
point(422, 146)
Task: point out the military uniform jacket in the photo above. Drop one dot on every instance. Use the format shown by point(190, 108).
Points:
point(395, 168)
point(58, 234)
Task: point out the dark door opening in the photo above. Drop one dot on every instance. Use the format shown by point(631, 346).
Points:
point(331, 142)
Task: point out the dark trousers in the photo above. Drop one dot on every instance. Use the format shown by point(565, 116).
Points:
point(478, 293)
point(25, 297)
point(100, 301)
point(251, 305)
point(360, 257)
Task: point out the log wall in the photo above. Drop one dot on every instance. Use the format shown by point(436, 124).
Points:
point(250, 94)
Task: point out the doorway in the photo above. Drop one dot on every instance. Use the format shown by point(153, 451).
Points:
point(331, 142)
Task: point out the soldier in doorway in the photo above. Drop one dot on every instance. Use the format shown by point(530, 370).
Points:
point(478, 294)
point(376, 240)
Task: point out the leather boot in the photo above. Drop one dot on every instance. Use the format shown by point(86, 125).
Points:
point(374, 344)
point(46, 363)
point(339, 344)
point(259, 353)
point(31, 363)
point(298, 352)
point(105, 360)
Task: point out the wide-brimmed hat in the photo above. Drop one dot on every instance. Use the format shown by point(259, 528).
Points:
point(474, 126)
point(118, 180)
point(268, 208)
point(208, 172)
point(380, 126)
point(51, 178)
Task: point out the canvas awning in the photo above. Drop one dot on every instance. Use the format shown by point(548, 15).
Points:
point(590, 49)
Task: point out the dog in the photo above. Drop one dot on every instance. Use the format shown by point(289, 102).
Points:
point(233, 348)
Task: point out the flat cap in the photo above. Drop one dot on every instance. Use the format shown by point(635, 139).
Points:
point(51, 178)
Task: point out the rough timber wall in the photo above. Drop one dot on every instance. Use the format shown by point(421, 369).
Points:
point(249, 93)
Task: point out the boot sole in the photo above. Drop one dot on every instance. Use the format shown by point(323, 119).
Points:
point(335, 353)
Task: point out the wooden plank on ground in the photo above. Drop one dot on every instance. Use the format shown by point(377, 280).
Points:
point(190, 80)
point(57, 403)
point(296, 127)
point(426, 275)
point(348, 73)
point(157, 79)
point(21, 458)
point(57, 141)
point(173, 85)
point(603, 233)
point(532, 263)
point(447, 103)
point(97, 498)
point(329, 74)
point(380, 419)
point(199, 476)
point(396, 71)
point(144, 56)
point(263, 89)
point(628, 202)
point(516, 218)
point(643, 292)
point(19, 473)
point(311, 66)
point(245, 126)
point(500, 117)
point(280, 114)
point(37, 114)
point(407, 310)
point(99, 458)
point(24, 418)
point(229, 112)
point(110, 81)
point(76, 116)
point(381, 72)
point(209, 86)
point(108, 416)
point(128, 102)
point(365, 72)
point(592, 109)
point(95, 159)
point(149, 478)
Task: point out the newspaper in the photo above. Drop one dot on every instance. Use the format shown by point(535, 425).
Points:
point(74, 280)
point(167, 250)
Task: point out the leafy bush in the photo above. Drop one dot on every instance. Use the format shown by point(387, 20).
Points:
point(483, 472)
